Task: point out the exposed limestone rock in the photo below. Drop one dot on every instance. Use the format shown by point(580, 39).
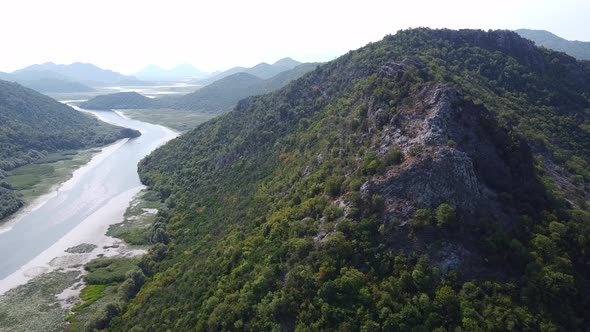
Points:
point(454, 153)
point(446, 176)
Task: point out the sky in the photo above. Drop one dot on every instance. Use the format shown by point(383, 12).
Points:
point(126, 35)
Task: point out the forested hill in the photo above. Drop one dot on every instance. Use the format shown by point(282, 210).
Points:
point(222, 95)
point(121, 100)
point(436, 180)
point(218, 97)
point(577, 49)
point(262, 70)
point(46, 82)
point(31, 125)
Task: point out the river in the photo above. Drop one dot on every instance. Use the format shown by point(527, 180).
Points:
point(80, 210)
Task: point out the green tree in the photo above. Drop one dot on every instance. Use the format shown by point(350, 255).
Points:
point(445, 216)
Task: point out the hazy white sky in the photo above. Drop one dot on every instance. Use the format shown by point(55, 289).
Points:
point(125, 35)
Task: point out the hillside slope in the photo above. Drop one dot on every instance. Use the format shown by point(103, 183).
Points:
point(218, 97)
point(46, 82)
point(262, 70)
point(222, 95)
point(434, 180)
point(50, 85)
point(32, 125)
point(577, 49)
point(120, 100)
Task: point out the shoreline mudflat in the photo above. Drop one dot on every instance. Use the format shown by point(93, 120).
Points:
point(80, 210)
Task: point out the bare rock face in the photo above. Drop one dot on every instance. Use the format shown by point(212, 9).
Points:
point(436, 170)
point(441, 176)
point(431, 123)
point(454, 153)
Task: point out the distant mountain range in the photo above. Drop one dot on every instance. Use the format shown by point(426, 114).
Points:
point(76, 77)
point(180, 72)
point(262, 70)
point(577, 49)
point(218, 97)
point(82, 72)
point(222, 95)
point(45, 81)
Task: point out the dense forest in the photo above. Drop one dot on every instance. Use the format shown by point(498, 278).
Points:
point(218, 97)
point(33, 125)
point(120, 100)
point(436, 180)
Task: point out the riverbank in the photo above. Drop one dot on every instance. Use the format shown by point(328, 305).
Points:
point(44, 175)
point(180, 121)
point(41, 181)
point(60, 294)
point(60, 232)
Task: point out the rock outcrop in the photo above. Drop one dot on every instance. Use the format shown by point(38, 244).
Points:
point(454, 153)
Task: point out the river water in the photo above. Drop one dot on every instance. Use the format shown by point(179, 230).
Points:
point(80, 209)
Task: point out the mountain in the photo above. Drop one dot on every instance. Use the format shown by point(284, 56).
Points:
point(221, 95)
point(286, 63)
point(81, 72)
point(265, 71)
point(285, 77)
point(50, 85)
point(262, 70)
point(436, 180)
point(33, 125)
point(121, 100)
point(577, 49)
point(180, 72)
point(32, 75)
point(46, 82)
point(218, 97)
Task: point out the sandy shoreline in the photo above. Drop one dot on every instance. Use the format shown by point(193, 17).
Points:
point(92, 230)
point(63, 269)
point(52, 192)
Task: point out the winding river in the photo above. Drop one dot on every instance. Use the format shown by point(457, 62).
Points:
point(80, 210)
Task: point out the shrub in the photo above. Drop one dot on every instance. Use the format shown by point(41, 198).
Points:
point(394, 157)
point(421, 218)
point(445, 215)
point(372, 164)
point(102, 318)
point(333, 185)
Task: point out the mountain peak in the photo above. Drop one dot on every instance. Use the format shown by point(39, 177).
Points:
point(77, 71)
point(395, 181)
point(287, 62)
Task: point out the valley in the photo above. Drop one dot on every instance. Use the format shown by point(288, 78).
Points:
point(195, 177)
point(78, 199)
point(81, 210)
